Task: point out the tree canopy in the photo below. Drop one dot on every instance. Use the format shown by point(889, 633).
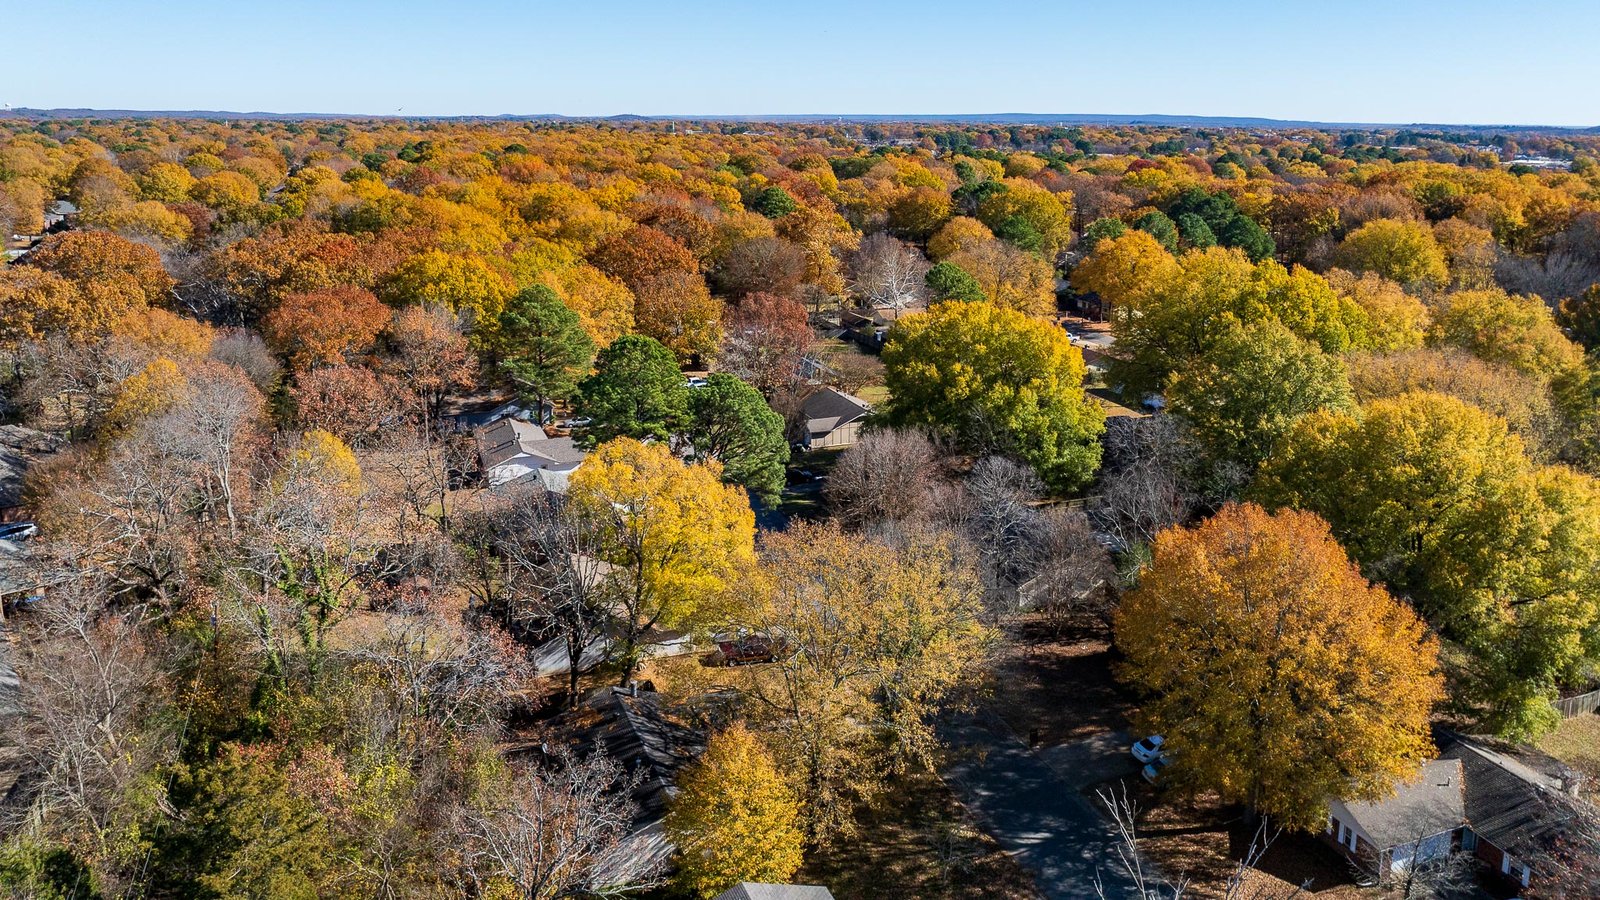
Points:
point(1331, 681)
point(996, 380)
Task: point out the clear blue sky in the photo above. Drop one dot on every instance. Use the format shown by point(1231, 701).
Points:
point(1535, 62)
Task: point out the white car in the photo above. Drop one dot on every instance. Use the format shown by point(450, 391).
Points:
point(1153, 771)
point(697, 382)
point(579, 422)
point(1148, 750)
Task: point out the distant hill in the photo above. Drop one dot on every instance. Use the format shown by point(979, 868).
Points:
point(1157, 119)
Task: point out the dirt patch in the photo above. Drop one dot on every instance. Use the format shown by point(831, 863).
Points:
point(917, 841)
point(1203, 841)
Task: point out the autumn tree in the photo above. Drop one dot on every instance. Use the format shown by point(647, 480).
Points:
point(35, 303)
point(1122, 267)
point(1396, 320)
point(464, 284)
point(996, 380)
point(678, 310)
point(1580, 316)
point(918, 213)
point(1401, 251)
point(730, 422)
point(1331, 680)
point(640, 253)
point(1497, 327)
point(1246, 393)
point(766, 265)
point(636, 391)
point(1521, 400)
point(542, 346)
point(767, 336)
point(672, 532)
point(430, 354)
point(1010, 277)
point(734, 818)
point(351, 402)
point(112, 273)
point(1438, 500)
point(1179, 319)
point(325, 328)
point(879, 635)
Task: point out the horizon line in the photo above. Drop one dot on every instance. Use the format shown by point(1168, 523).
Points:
point(1167, 119)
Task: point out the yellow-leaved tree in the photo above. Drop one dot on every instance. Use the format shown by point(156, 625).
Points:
point(878, 636)
point(1280, 677)
point(734, 818)
point(673, 533)
point(158, 387)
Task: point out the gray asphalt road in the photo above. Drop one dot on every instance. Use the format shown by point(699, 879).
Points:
point(1033, 812)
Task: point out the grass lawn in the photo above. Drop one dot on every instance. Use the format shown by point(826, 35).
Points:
point(1577, 743)
point(916, 842)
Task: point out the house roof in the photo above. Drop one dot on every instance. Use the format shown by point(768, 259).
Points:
point(505, 439)
point(636, 733)
point(19, 447)
point(750, 890)
point(829, 409)
point(1431, 803)
point(1508, 802)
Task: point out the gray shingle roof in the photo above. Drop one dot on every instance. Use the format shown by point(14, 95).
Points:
point(1507, 802)
point(1431, 803)
point(828, 409)
point(750, 890)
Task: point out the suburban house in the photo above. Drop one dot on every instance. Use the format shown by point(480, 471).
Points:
point(1421, 822)
point(60, 213)
point(749, 890)
point(1503, 809)
point(831, 418)
point(631, 728)
point(511, 450)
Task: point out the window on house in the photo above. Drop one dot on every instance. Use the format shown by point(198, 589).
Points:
point(1505, 864)
point(1525, 874)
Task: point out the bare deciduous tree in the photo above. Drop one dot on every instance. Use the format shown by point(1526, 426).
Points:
point(92, 694)
point(557, 584)
point(1143, 486)
point(887, 273)
point(884, 476)
point(552, 833)
point(1142, 879)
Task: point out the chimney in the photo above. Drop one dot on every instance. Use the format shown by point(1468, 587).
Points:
point(633, 688)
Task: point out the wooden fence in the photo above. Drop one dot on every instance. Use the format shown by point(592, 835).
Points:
point(1577, 706)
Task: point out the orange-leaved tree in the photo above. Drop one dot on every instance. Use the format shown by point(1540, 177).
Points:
point(1280, 677)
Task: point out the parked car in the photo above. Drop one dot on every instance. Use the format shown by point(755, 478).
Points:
point(18, 531)
point(697, 382)
point(1152, 771)
point(1147, 750)
point(579, 422)
point(745, 651)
